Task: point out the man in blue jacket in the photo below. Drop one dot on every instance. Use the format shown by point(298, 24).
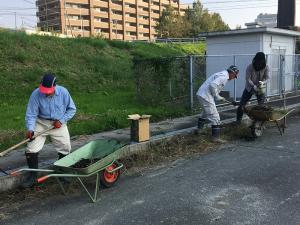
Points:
point(50, 105)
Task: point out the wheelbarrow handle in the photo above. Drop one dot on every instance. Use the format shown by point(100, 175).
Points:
point(23, 142)
point(42, 179)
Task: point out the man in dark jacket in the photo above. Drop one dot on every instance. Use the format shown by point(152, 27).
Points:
point(257, 73)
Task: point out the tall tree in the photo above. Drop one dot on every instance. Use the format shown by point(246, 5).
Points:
point(171, 24)
point(203, 21)
point(196, 20)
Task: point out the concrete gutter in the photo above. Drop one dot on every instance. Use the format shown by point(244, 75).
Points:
point(177, 129)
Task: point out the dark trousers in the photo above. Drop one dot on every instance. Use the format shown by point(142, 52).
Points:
point(245, 98)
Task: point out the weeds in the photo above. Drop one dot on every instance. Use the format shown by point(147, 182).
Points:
point(98, 73)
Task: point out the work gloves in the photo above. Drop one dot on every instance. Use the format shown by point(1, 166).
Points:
point(30, 135)
point(259, 89)
point(220, 98)
point(261, 84)
point(57, 124)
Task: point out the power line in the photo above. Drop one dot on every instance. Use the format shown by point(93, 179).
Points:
point(29, 2)
point(249, 7)
point(93, 7)
point(239, 1)
point(234, 2)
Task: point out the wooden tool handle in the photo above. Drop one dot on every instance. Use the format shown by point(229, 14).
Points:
point(23, 142)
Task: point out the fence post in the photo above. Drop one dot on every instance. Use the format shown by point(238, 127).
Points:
point(234, 81)
point(191, 83)
point(295, 73)
point(267, 89)
point(282, 78)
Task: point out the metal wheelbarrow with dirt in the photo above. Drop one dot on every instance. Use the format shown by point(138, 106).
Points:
point(97, 158)
point(260, 114)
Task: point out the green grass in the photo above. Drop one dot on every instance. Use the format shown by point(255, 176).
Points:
point(98, 74)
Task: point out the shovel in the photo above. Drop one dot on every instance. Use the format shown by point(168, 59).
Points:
point(23, 142)
point(234, 103)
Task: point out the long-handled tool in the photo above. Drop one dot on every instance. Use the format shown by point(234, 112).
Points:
point(24, 141)
point(234, 103)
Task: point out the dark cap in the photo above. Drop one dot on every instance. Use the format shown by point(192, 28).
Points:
point(48, 83)
point(233, 69)
point(259, 61)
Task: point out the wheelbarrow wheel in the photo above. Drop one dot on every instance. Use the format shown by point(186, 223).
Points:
point(108, 179)
point(257, 129)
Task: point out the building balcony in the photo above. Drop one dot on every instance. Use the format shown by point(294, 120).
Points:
point(130, 28)
point(155, 7)
point(154, 15)
point(144, 4)
point(144, 30)
point(130, 38)
point(165, 2)
point(116, 26)
point(101, 4)
point(79, 33)
point(84, 23)
point(153, 23)
point(101, 14)
point(77, 11)
point(130, 1)
point(130, 19)
point(116, 17)
point(101, 25)
point(130, 10)
point(78, 1)
point(116, 7)
point(145, 22)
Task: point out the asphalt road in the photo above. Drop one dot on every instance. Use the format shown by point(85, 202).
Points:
point(242, 183)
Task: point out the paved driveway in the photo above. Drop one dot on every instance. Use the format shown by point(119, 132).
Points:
point(242, 183)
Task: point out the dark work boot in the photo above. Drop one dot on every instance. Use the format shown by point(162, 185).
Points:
point(239, 115)
point(201, 123)
point(32, 161)
point(60, 155)
point(216, 134)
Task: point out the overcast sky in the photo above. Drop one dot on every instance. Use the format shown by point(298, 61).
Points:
point(233, 12)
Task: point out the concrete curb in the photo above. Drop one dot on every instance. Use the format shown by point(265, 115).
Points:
point(12, 182)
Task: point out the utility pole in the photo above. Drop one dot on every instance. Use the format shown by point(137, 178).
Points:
point(15, 21)
point(22, 25)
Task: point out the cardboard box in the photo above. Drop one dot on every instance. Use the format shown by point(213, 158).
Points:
point(140, 128)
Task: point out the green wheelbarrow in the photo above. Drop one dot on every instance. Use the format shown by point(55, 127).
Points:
point(95, 158)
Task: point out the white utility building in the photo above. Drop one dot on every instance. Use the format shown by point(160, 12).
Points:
point(239, 47)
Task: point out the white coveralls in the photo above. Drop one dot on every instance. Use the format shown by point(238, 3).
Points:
point(206, 93)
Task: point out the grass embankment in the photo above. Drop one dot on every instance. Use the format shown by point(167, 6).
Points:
point(98, 74)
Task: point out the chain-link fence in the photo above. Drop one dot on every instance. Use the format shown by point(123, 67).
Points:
point(176, 80)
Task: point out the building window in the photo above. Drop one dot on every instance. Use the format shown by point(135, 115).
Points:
point(98, 19)
point(116, 12)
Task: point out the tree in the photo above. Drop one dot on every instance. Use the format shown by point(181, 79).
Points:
point(201, 20)
point(196, 20)
point(171, 24)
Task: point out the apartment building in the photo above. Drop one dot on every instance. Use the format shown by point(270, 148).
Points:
point(112, 19)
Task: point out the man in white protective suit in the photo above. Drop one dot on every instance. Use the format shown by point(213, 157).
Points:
point(208, 93)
